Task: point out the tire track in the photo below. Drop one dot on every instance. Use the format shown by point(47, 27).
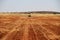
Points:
point(14, 29)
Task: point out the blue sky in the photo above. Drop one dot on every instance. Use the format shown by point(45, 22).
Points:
point(29, 5)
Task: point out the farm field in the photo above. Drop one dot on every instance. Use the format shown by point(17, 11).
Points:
point(35, 27)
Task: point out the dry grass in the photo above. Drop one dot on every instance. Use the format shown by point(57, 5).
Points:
point(36, 27)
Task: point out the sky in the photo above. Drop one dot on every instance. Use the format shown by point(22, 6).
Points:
point(29, 5)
